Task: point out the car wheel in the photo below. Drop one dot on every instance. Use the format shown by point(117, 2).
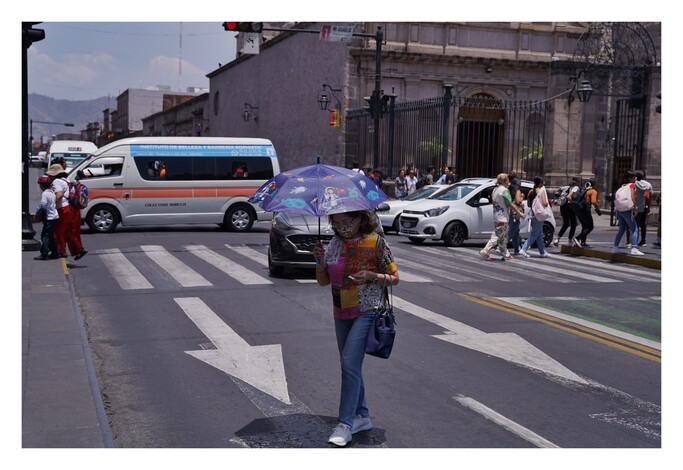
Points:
point(239, 218)
point(397, 227)
point(102, 218)
point(548, 232)
point(454, 234)
point(416, 241)
point(274, 270)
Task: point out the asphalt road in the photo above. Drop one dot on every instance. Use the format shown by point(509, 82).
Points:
point(183, 322)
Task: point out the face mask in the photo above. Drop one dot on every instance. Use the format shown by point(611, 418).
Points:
point(346, 229)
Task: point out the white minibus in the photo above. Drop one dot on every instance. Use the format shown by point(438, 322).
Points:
point(176, 180)
point(72, 151)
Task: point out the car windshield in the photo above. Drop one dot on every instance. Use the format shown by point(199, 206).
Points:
point(421, 193)
point(457, 191)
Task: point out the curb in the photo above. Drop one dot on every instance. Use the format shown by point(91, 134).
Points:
point(615, 258)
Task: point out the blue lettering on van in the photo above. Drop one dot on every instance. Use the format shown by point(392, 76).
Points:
point(149, 150)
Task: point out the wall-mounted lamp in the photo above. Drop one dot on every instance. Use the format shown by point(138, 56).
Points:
point(583, 89)
point(324, 100)
point(246, 114)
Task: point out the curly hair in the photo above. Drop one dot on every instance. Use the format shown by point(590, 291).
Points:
point(368, 222)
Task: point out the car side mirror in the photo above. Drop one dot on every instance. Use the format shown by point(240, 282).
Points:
point(483, 201)
point(382, 207)
point(79, 174)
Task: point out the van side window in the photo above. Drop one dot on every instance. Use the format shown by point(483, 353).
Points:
point(102, 167)
point(204, 168)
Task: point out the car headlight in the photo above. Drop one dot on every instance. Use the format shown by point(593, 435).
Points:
point(437, 211)
point(281, 222)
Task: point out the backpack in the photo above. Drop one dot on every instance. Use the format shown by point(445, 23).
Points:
point(421, 182)
point(579, 197)
point(78, 195)
point(622, 199)
point(540, 213)
point(560, 195)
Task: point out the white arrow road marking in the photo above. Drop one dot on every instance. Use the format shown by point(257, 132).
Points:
point(181, 272)
point(506, 423)
point(259, 366)
point(507, 346)
point(232, 269)
point(123, 270)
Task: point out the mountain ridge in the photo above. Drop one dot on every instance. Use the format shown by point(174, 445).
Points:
point(58, 111)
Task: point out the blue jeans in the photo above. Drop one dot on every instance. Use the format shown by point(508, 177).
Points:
point(626, 221)
point(513, 234)
point(536, 235)
point(351, 338)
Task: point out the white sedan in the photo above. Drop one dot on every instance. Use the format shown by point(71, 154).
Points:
point(390, 217)
point(461, 212)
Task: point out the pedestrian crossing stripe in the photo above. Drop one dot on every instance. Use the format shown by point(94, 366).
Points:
point(416, 265)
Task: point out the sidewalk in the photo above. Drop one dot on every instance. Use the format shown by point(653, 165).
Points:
point(61, 404)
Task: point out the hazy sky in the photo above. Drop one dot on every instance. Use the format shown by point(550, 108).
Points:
point(86, 60)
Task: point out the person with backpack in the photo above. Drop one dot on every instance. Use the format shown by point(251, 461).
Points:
point(568, 214)
point(625, 206)
point(68, 230)
point(590, 199)
point(643, 195)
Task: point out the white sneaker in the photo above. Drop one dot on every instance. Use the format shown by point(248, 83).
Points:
point(545, 255)
point(341, 435)
point(636, 252)
point(556, 242)
point(576, 242)
point(360, 424)
point(484, 255)
point(628, 246)
point(524, 254)
point(615, 250)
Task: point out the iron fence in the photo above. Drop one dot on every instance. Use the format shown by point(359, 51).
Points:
point(485, 136)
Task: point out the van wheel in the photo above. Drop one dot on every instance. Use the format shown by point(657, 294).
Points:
point(454, 234)
point(239, 218)
point(102, 218)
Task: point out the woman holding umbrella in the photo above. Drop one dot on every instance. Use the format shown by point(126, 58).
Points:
point(358, 264)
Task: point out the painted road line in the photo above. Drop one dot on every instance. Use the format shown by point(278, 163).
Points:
point(489, 274)
point(232, 269)
point(260, 366)
point(507, 346)
point(128, 277)
point(642, 348)
point(504, 422)
point(409, 277)
point(615, 270)
point(178, 270)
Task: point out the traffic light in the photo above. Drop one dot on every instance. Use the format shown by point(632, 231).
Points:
point(243, 27)
point(32, 34)
point(335, 117)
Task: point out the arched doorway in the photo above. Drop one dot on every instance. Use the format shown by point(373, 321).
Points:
point(480, 136)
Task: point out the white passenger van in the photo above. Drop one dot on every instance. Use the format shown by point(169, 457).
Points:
point(176, 180)
point(73, 151)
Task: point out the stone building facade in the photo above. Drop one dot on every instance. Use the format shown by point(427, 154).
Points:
point(507, 61)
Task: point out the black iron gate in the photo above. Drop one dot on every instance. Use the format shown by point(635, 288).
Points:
point(486, 136)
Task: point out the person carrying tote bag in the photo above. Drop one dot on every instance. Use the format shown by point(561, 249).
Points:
point(540, 211)
point(356, 263)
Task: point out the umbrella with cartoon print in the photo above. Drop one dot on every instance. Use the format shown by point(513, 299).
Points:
point(318, 190)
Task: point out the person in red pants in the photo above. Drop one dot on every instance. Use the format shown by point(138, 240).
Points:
point(68, 230)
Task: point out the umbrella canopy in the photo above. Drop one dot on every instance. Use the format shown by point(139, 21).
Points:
point(318, 190)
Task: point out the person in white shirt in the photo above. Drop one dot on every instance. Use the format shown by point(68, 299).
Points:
point(411, 182)
point(502, 205)
point(356, 168)
point(68, 230)
point(46, 212)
